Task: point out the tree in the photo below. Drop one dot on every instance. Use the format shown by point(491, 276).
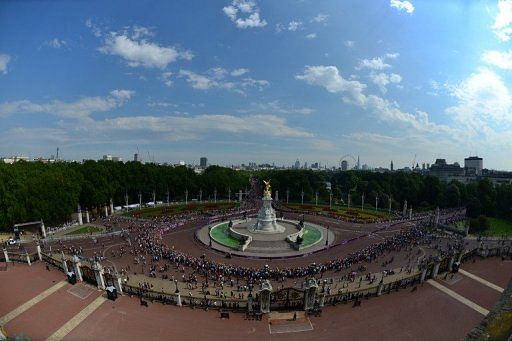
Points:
point(479, 225)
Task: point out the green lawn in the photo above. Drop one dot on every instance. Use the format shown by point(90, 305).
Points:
point(85, 230)
point(354, 213)
point(220, 235)
point(499, 227)
point(178, 209)
point(311, 235)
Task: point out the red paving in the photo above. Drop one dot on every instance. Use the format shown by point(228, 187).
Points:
point(22, 282)
point(493, 270)
point(474, 291)
point(48, 315)
point(426, 314)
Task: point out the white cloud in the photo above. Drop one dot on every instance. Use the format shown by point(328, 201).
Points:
point(80, 109)
point(330, 78)
point(294, 25)
point(239, 72)
point(482, 97)
point(244, 13)
point(349, 43)
point(137, 51)
point(374, 64)
point(311, 36)
point(383, 79)
point(502, 26)
point(320, 18)
point(216, 78)
point(275, 107)
point(182, 128)
point(500, 59)
point(405, 5)
point(55, 43)
point(166, 78)
point(4, 61)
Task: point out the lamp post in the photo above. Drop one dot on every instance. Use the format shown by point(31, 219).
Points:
point(302, 197)
point(362, 202)
point(316, 198)
point(200, 195)
point(229, 194)
point(376, 203)
point(140, 200)
point(215, 195)
point(186, 196)
point(287, 195)
point(330, 200)
point(390, 201)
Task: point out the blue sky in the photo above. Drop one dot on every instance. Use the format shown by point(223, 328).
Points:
point(264, 81)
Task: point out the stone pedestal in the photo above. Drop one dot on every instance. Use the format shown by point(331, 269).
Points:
point(87, 218)
point(112, 206)
point(380, 288)
point(106, 211)
point(249, 302)
point(436, 267)
point(79, 215)
point(265, 292)
point(423, 275)
point(178, 299)
point(43, 229)
point(28, 259)
point(6, 256)
point(39, 255)
point(266, 220)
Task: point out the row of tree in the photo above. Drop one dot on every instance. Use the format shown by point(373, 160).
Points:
point(31, 191)
point(52, 192)
point(421, 192)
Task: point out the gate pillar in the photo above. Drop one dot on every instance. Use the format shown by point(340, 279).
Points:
point(76, 266)
point(310, 293)
point(437, 263)
point(64, 264)
point(98, 273)
point(265, 291)
point(6, 255)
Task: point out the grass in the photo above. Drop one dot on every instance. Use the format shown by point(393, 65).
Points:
point(221, 236)
point(179, 209)
point(311, 235)
point(499, 227)
point(85, 230)
point(350, 213)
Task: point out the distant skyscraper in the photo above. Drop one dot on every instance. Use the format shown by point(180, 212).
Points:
point(391, 166)
point(358, 163)
point(297, 164)
point(203, 162)
point(474, 165)
point(136, 157)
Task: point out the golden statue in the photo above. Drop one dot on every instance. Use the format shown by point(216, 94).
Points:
point(267, 188)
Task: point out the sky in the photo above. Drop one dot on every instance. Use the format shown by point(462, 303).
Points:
point(242, 81)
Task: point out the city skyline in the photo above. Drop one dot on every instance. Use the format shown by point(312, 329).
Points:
point(257, 81)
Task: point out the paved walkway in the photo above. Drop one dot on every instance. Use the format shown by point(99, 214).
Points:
point(481, 280)
point(77, 319)
point(458, 297)
point(30, 303)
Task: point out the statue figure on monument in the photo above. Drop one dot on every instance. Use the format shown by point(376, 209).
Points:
point(267, 191)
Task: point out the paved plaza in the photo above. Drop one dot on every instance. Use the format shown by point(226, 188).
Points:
point(52, 309)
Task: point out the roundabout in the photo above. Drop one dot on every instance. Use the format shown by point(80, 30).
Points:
point(265, 236)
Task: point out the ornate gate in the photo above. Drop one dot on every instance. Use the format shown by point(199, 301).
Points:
point(287, 299)
point(88, 275)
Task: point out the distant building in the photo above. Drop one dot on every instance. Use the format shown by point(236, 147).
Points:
point(473, 165)
point(297, 164)
point(203, 162)
point(117, 159)
point(182, 163)
point(344, 165)
point(391, 166)
point(107, 157)
point(136, 157)
point(14, 159)
point(446, 171)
